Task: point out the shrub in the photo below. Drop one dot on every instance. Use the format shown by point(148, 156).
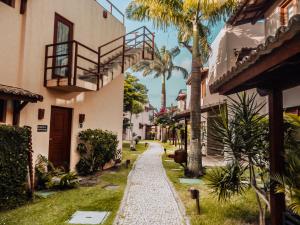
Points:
point(96, 148)
point(49, 177)
point(14, 150)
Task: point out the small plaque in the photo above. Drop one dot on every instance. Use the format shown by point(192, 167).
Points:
point(42, 128)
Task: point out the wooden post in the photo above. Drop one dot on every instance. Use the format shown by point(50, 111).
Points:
point(123, 56)
point(185, 134)
point(277, 201)
point(144, 30)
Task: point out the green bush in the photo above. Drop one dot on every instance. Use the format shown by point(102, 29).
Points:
point(50, 177)
point(14, 149)
point(96, 148)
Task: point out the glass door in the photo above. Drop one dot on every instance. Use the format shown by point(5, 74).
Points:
point(63, 35)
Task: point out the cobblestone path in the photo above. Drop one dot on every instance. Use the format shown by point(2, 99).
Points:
point(149, 198)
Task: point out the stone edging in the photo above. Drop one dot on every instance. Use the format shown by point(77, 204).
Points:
point(178, 200)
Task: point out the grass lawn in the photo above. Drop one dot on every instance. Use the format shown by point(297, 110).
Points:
point(241, 210)
point(58, 208)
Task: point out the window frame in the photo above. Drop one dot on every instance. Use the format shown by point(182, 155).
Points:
point(11, 3)
point(4, 111)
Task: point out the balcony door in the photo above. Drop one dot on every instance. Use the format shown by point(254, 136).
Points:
point(63, 35)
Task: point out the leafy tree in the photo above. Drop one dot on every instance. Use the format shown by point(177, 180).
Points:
point(135, 96)
point(193, 19)
point(162, 66)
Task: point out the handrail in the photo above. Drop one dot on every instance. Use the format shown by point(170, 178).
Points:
point(112, 6)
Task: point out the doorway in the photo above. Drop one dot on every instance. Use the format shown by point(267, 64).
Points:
point(60, 136)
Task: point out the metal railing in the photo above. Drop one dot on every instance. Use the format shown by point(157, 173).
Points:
point(71, 60)
point(140, 38)
point(112, 9)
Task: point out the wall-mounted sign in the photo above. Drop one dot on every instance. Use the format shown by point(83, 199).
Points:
point(42, 128)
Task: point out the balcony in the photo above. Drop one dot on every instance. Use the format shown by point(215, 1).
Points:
point(75, 67)
point(71, 66)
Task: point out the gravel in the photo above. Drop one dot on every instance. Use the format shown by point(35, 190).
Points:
point(149, 198)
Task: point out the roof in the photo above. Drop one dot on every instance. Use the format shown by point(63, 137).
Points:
point(204, 108)
point(249, 11)
point(19, 94)
point(283, 35)
point(205, 71)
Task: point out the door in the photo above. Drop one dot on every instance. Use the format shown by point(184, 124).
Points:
point(63, 35)
point(60, 136)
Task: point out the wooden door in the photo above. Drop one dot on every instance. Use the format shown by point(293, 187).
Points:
point(60, 136)
point(63, 35)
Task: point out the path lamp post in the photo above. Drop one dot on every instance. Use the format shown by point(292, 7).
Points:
point(195, 194)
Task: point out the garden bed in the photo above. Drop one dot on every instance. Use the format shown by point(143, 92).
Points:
point(56, 209)
point(241, 210)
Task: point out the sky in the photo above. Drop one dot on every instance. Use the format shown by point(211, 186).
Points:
point(169, 39)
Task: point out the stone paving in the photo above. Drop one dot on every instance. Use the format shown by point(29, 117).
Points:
point(150, 198)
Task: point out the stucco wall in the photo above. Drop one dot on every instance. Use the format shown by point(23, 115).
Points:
point(222, 56)
point(22, 65)
point(10, 42)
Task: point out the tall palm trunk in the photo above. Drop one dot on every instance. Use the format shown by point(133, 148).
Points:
point(194, 154)
point(163, 92)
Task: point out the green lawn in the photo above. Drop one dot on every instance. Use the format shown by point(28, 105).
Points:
point(58, 208)
point(241, 210)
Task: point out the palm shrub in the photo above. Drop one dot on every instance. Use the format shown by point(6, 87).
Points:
point(50, 177)
point(289, 181)
point(244, 131)
point(96, 148)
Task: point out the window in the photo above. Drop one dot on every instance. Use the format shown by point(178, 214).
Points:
point(288, 10)
point(9, 2)
point(3, 104)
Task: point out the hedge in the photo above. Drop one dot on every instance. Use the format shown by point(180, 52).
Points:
point(14, 149)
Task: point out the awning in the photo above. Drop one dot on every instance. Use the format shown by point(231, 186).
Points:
point(15, 93)
point(205, 108)
point(274, 62)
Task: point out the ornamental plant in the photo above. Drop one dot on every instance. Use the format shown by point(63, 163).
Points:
point(96, 148)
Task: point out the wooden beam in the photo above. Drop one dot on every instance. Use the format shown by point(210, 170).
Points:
point(23, 6)
point(185, 134)
point(277, 201)
point(17, 108)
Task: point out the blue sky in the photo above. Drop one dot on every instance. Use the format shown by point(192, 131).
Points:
point(168, 38)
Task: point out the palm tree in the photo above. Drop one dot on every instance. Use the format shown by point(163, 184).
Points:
point(192, 18)
point(162, 66)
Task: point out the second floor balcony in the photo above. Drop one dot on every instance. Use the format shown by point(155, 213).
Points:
point(71, 66)
point(74, 67)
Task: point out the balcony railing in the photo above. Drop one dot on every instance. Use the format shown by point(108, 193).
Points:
point(71, 64)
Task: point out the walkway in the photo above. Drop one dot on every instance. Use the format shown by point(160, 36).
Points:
point(149, 198)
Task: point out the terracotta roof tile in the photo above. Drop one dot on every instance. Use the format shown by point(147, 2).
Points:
point(19, 93)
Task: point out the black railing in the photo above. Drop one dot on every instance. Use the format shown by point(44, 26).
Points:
point(73, 61)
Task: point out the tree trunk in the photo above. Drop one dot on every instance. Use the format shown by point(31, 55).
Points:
point(195, 153)
point(163, 93)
